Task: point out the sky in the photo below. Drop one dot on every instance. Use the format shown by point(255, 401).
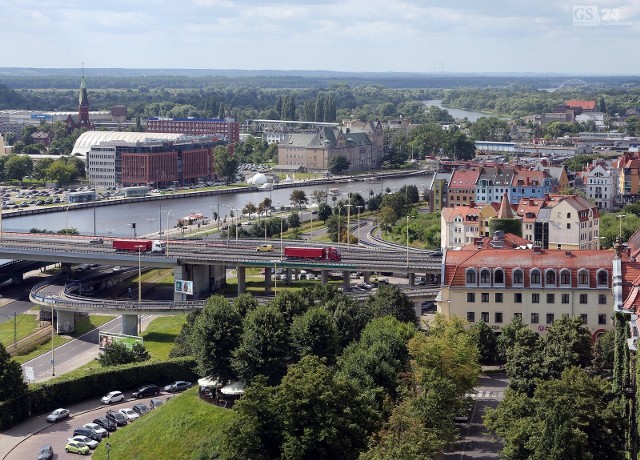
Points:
point(551, 36)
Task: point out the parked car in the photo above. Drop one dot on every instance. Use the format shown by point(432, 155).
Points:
point(92, 443)
point(179, 385)
point(112, 397)
point(106, 423)
point(117, 417)
point(82, 431)
point(57, 415)
point(141, 409)
point(77, 447)
point(155, 403)
point(45, 453)
point(146, 390)
point(130, 414)
point(96, 428)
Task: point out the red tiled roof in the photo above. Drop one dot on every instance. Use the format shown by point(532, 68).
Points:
point(464, 179)
point(584, 105)
point(528, 177)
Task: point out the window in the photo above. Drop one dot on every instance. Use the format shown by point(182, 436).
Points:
point(498, 276)
point(583, 277)
point(603, 278)
point(471, 296)
point(498, 297)
point(565, 298)
point(535, 276)
point(518, 276)
point(471, 316)
point(550, 278)
point(518, 315)
point(485, 316)
point(583, 317)
point(485, 297)
point(583, 299)
point(568, 225)
point(602, 299)
point(550, 318)
point(471, 276)
point(517, 297)
point(498, 317)
point(485, 276)
point(534, 318)
point(602, 318)
point(551, 298)
point(565, 277)
point(535, 298)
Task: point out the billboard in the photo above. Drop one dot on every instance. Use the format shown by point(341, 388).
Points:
point(184, 287)
point(107, 338)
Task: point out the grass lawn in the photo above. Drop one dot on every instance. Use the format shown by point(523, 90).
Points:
point(160, 335)
point(26, 324)
point(178, 429)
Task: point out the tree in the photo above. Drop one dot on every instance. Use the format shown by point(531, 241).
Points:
point(249, 209)
point(507, 338)
point(118, 353)
point(11, 382)
point(225, 165)
point(264, 346)
point(603, 350)
point(298, 198)
point(216, 333)
point(265, 206)
point(411, 193)
point(486, 341)
point(324, 212)
point(40, 168)
point(338, 164)
point(60, 172)
point(10, 137)
point(294, 220)
point(386, 217)
point(17, 166)
point(319, 196)
point(524, 361)
point(567, 343)
point(389, 300)
point(315, 333)
point(183, 343)
point(490, 129)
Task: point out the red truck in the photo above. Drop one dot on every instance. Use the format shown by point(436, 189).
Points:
point(312, 253)
point(142, 245)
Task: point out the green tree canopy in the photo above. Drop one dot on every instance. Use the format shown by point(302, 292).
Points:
point(338, 164)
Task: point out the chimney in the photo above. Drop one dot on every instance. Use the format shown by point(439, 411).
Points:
point(537, 249)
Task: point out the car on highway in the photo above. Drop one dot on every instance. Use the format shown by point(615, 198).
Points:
point(265, 248)
point(96, 429)
point(58, 414)
point(106, 423)
point(117, 417)
point(77, 447)
point(141, 408)
point(146, 390)
point(112, 397)
point(96, 241)
point(92, 443)
point(179, 385)
point(130, 414)
point(45, 453)
point(116, 269)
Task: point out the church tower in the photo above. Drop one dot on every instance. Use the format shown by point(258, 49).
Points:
point(83, 109)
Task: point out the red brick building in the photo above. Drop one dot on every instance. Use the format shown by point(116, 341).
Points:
point(226, 129)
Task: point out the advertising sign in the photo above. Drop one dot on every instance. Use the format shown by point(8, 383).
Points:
point(184, 287)
point(107, 338)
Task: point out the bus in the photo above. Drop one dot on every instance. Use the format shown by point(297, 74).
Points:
point(81, 197)
point(128, 192)
point(192, 219)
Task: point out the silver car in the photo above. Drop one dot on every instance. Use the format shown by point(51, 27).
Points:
point(58, 414)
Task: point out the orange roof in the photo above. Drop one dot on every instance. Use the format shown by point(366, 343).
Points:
point(464, 179)
point(584, 105)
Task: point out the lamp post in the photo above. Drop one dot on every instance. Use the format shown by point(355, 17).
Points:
point(169, 213)
point(620, 217)
point(407, 240)
point(237, 212)
point(94, 213)
point(275, 277)
point(108, 446)
point(358, 231)
point(348, 206)
point(53, 327)
point(139, 247)
point(339, 229)
point(281, 242)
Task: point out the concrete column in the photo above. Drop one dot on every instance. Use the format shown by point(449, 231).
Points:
point(366, 276)
point(17, 278)
point(242, 276)
point(217, 277)
point(130, 324)
point(324, 276)
point(287, 277)
point(412, 279)
point(267, 280)
point(179, 273)
point(65, 268)
point(65, 322)
point(346, 281)
point(200, 277)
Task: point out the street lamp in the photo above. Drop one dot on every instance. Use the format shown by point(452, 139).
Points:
point(358, 231)
point(275, 277)
point(281, 242)
point(108, 446)
point(139, 247)
point(339, 229)
point(620, 217)
point(407, 240)
point(237, 212)
point(169, 213)
point(53, 326)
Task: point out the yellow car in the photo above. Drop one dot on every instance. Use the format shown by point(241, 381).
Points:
point(265, 248)
point(77, 447)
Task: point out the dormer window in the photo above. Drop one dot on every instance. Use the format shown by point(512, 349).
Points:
point(565, 277)
point(535, 276)
point(471, 276)
point(518, 276)
point(583, 277)
point(550, 277)
point(498, 277)
point(602, 278)
point(485, 276)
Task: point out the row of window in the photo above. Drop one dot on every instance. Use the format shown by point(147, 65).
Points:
point(498, 317)
point(498, 297)
point(497, 278)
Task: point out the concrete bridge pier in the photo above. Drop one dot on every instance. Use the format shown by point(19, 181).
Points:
point(65, 322)
point(65, 268)
point(242, 279)
point(412, 279)
point(324, 276)
point(346, 281)
point(287, 277)
point(267, 280)
point(366, 276)
point(129, 324)
point(178, 274)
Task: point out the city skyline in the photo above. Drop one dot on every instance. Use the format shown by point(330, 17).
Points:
point(348, 35)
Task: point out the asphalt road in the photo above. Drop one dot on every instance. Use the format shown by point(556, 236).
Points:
point(476, 441)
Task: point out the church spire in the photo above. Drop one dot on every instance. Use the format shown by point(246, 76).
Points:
point(83, 109)
point(505, 211)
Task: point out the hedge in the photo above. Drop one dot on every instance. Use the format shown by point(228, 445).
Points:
point(47, 396)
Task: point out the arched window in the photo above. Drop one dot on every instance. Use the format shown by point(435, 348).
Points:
point(550, 277)
point(583, 277)
point(518, 276)
point(471, 276)
point(603, 277)
point(535, 276)
point(498, 276)
point(485, 276)
point(565, 277)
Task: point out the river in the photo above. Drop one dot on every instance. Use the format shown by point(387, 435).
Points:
point(151, 217)
point(458, 114)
